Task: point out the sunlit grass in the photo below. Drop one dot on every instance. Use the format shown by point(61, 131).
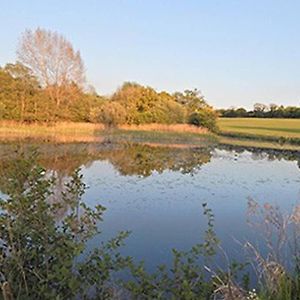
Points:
point(263, 127)
point(68, 132)
point(63, 132)
point(162, 137)
point(166, 128)
point(40, 128)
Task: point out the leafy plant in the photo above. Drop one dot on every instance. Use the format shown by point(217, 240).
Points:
point(38, 254)
point(186, 279)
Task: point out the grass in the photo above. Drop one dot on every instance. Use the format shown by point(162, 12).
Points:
point(62, 132)
point(264, 133)
point(176, 134)
point(182, 128)
point(288, 128)
point(162, 137)
point(279, 134)
point(39, 128)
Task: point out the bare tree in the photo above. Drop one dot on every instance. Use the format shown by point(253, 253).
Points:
point(52, 59)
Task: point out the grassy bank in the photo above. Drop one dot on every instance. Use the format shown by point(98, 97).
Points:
point(279, 134)
point(174, 139)
point(175, 134)
point(87, 132)
point(179, 128)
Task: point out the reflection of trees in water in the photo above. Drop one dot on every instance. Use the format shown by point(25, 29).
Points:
point(14, 179)
point(143, 160)
point(127, 158)
point(270, 154)
point(62, 160)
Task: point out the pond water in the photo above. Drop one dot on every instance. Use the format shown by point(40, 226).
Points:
point(157, 192)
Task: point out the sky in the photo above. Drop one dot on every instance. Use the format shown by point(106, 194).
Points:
point(237, 52)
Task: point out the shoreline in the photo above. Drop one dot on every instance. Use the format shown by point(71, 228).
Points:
point(181, 135)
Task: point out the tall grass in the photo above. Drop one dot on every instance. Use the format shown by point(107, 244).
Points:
point(278, 271)
point(166, 128)
point(62, 132)
point(61, 127)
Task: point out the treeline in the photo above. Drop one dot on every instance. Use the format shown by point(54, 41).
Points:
point(262, 111)
point(47, 84)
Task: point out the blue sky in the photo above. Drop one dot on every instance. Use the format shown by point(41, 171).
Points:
point(237, 52)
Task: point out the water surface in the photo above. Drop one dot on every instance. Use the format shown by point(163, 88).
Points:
point(157, 192)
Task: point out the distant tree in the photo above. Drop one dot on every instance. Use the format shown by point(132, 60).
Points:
point(273, 107)
point(241, 112)
point(199, 113)
point(52, 59)
point(192, 99)
point(262, 111)
point(259, 109)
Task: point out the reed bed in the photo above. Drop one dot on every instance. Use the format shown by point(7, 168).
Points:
point(62, 132)
point(166, 127)
point(11, 127)
point(67, 132)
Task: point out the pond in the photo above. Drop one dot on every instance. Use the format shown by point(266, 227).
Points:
point(157, 192)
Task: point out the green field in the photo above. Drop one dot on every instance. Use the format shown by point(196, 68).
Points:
point(289, 128)
point(262, 133)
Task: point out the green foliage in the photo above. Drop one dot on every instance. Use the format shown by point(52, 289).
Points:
point(38, 254)
point(191, 99)
point(19, 92)
point(22, 99)
point(261, 110)
point(143, 160)
point(56, 92)
point(145, 105)
point(186, 279)
point(111, 114)
point(204, 117)
point(199, 112)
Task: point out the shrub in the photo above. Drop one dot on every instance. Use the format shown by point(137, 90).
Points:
point(111, 114)
point(205, 117)
point(38, 252)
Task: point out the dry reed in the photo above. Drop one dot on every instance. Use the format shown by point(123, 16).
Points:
point(165, 127)
point(60, 127)
point(62, 132)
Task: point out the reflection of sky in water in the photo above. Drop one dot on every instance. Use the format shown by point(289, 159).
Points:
point(164, 211)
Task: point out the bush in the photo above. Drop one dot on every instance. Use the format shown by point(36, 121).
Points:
point(205, 117)
point(111, 114)
point(38, 252)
